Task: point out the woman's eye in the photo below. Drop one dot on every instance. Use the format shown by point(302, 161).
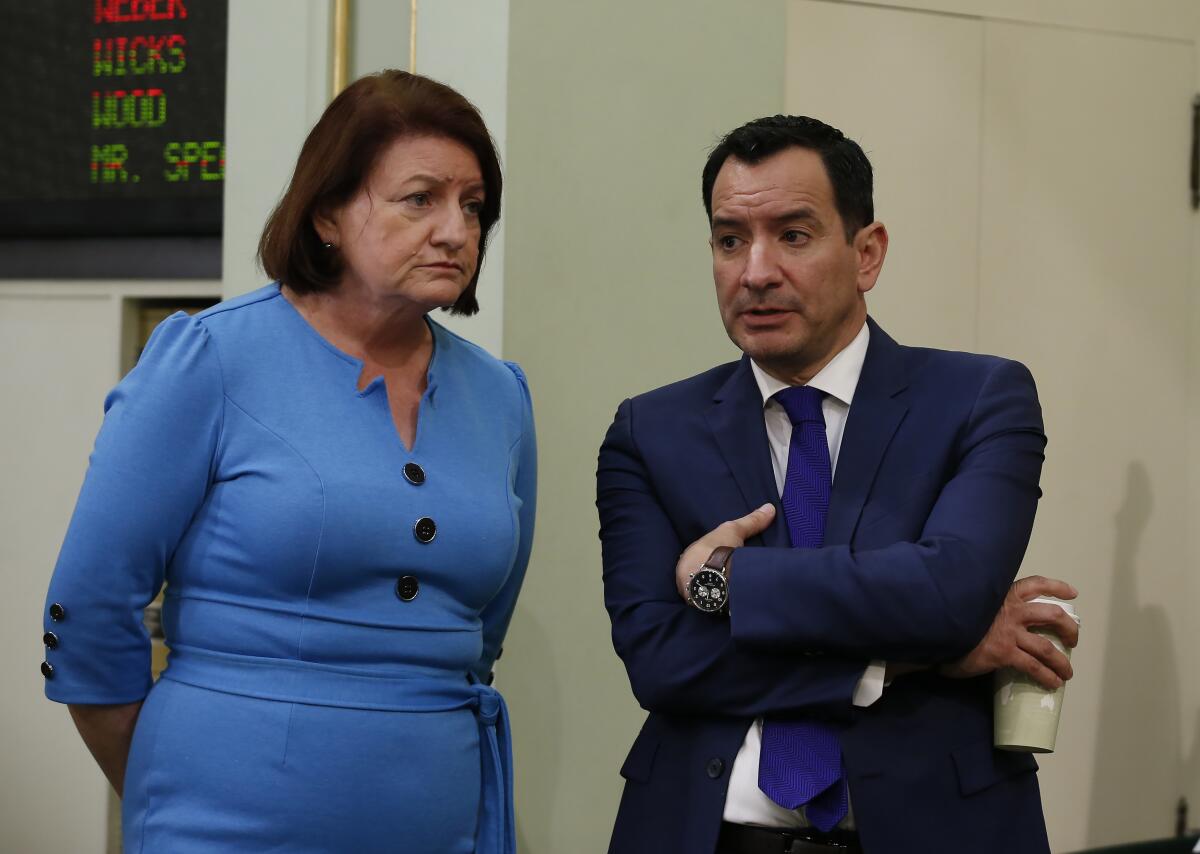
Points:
point(473, 208)
point(419, 200)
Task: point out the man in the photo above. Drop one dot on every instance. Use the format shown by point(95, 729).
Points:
point(816, 669)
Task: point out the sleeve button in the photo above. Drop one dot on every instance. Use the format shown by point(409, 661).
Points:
point(47, 670)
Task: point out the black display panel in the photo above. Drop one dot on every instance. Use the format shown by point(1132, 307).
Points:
point(113, 117)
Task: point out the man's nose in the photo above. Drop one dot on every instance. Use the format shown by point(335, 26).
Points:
point(762, 267)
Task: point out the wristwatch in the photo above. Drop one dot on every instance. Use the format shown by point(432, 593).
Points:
point(708, 587)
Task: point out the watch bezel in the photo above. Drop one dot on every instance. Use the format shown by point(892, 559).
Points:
point(708, 578)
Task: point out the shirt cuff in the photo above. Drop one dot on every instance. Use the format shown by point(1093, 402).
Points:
point(870, 684)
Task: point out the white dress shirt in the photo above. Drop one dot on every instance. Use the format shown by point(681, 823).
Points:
point(745, 803)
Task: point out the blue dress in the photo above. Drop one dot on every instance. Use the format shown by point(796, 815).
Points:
point(334, 601)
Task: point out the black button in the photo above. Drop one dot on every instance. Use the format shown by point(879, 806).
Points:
point(414, 474)
point(491, 677)
point(57, 613)
point(715, 768)
point(425, 530)
point(407, 588)
point(47, 670)
point(50, 639)
point(499, 653)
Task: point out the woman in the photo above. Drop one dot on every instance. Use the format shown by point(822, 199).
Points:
point(339, 494)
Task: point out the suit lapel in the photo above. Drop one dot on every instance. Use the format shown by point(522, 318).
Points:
point(736, 420)
point(874, 416)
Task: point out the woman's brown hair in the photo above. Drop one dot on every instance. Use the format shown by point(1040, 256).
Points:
point(338, 155)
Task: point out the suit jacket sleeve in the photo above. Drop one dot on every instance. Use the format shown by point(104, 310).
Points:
point(679, 660)
point(924, 601)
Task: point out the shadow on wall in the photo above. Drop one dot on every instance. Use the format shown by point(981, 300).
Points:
point(537, 710)
point(1139, 770)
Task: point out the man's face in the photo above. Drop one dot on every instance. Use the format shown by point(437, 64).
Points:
point(789, 286)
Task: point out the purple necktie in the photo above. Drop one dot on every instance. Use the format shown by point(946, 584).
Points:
point(801, 760)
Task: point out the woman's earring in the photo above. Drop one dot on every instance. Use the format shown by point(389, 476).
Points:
point(327, 246)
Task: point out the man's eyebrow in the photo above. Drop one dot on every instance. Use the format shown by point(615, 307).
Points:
point(725, 222)
point(803, 212)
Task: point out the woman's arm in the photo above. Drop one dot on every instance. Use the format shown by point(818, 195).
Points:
point(108, 731)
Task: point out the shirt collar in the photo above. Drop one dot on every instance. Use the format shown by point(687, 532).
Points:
point(838, 379)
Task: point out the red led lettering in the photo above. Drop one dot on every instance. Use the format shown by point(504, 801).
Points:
point(126, 11)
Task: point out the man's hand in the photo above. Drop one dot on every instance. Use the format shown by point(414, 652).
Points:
point(1010, 643)
point(733, 533)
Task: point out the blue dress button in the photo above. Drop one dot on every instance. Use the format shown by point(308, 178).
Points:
point(414, 474)
point(50, 639)
point(57, 613)
point(425, 530)
point(407, 588)
point(47, 670)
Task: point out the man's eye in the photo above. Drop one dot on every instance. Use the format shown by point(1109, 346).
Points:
point(728, 243)
point(794, 236)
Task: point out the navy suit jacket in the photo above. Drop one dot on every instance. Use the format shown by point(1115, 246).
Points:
point(932, 506)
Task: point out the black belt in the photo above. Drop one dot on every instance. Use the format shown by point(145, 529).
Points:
point(746, 839)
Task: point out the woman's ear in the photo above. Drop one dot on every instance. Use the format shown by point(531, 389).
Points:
point(325, 225)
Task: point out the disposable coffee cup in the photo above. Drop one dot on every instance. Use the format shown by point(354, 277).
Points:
point(1026, 714)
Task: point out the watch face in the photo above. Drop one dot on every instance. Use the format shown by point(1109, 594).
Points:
point(709, 590)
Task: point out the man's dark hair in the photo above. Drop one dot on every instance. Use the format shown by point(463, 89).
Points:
point(848, 168)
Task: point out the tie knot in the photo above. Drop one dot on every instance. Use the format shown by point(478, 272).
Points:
point(802, 403)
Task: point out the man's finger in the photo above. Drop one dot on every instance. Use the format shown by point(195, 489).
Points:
point(754, 522)
point(1053, 619)
point(1033, 586)
point(1046, 653)
point(1038, 672)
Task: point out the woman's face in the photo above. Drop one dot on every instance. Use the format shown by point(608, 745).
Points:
point(410, 235)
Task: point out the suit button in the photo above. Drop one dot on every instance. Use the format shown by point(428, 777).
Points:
point(407, 588)
point(491, 677)
point(715, 768)
point(47, 670)
point(414, 474)
point(50, 639)
point(425, 530)
point(57, 613)
point(499, 653)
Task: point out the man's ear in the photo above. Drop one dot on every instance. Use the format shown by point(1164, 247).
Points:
point(871, 244)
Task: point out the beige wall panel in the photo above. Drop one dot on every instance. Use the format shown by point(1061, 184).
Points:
point(612, 109)
point(277, 84)
point(907, 88)
point(54, 796)
point(1085, 271)
point(1170, 19)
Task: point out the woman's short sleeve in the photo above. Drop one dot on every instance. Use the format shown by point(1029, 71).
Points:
point(149, 473)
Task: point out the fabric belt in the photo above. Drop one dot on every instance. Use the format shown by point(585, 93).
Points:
point(418, 690)
point(747, 839)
